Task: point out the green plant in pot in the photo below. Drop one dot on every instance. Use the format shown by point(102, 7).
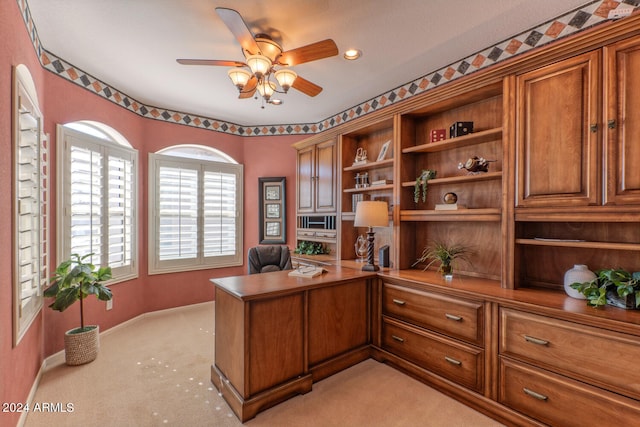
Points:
point(616, 287)
point(74, 280)
point(444, 253)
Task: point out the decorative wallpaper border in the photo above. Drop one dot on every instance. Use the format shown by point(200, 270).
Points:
point(570, 23)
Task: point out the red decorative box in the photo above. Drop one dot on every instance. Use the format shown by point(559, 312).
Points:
point(438, 135)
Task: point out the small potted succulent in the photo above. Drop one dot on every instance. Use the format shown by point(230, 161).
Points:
point(616, 287)
point(421, 185)
point(444, 253)
point(74, 280)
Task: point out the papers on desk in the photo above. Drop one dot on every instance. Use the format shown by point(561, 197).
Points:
point(307, 271)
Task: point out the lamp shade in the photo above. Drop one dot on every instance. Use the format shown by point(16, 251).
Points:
point(285, 78)
point(259, 64)
point(239, 77)
point(371, 213)
point(266, 89)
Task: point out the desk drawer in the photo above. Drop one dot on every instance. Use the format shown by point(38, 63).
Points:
point(604, 358)
point(454, 317)
point(559, 401)
point(456, 361)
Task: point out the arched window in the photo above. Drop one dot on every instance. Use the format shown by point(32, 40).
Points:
point(195, 209)
point(97, 197)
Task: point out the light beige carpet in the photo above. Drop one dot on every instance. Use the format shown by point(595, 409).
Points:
point(155, 371)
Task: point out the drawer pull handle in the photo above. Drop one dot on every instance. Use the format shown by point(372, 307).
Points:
point(535, 340)
point(397, 338)
point(452, 361)
point(534, 394)
point(398, 302)
point(453, 317)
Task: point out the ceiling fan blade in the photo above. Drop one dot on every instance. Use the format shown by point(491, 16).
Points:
point(239, 29)
point(219, 62)
point(308, 53)
point(306, 87)
point(249, 89)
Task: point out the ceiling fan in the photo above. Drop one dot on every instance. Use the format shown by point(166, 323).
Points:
point(266, 59)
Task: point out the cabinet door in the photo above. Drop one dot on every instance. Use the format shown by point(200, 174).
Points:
point(557, 134)
point(623, 123)
point(306, 179)
point(325, 175)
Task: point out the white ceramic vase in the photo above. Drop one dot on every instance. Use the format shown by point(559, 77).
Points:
point(580, 273)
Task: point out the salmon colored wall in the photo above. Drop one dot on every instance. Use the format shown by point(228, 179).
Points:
point(18, 366)
point(63, 102)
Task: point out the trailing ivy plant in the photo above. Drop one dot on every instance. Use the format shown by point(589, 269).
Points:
point(311, 248)
point(421, 184)
point(618, 280)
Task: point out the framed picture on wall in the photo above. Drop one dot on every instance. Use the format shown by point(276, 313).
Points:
point(272, 208)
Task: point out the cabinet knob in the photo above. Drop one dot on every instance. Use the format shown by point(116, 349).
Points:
point(534, 394)
point(611, 124)
point(535, 340)
point(594, 128)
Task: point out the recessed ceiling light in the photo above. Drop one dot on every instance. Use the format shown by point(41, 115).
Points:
point(352, 54)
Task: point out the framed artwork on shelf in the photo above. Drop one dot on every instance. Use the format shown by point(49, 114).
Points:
point(383, 151)
point(272, 209)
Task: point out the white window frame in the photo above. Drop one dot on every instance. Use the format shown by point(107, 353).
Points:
point(199, 262)
point(31, 211)
point(112, 145)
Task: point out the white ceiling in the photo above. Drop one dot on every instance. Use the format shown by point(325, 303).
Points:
point(133, 45)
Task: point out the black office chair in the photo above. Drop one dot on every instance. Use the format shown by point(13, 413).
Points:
point(262, 259)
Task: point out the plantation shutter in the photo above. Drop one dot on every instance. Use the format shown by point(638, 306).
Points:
point(219, 213)
point(120, 211)
point(32, 214)
point(178, 213)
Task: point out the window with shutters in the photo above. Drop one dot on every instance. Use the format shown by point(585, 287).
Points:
point(97, 197)
point(195, 210)
point(31, 204)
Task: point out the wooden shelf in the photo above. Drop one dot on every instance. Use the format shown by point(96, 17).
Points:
point(457, 179)
point(461, 141)
point(369, 188)
point(370, 165)
point(485, 214)
point(578, 214)
point(580, 244)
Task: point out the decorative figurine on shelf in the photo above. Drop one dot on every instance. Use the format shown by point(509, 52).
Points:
point(361, 156)
point(358, 180)
point(364, 180)
point(476, 164)
point(421, 184)
point(450, 198)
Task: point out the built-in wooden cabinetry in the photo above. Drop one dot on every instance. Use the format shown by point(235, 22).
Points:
point(316, 187)
point(561, 127)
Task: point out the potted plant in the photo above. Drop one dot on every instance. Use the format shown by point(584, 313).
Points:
point(421, 184)
point(616, 287)
point(445, 253)
point(74, 280)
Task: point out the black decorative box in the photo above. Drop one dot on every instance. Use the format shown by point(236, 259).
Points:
point(460, 128)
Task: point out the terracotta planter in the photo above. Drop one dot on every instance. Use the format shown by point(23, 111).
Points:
point(81, 347)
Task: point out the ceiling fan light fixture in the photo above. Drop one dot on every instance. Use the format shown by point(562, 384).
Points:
point(239, 77)
point(285, 78)
point(259, 64)
point(266, 89)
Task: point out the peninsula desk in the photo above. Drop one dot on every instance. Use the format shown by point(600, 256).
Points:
point(275, 335)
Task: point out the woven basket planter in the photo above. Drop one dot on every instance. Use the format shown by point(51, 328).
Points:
point(81, 347)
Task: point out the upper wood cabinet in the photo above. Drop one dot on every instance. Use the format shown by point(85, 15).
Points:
point(317, 178)
point(622, 116)
point(557, 133)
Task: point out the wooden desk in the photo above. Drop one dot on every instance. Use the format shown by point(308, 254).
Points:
point(275, 335)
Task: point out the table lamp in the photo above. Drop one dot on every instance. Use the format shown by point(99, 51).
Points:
point(370, 213)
